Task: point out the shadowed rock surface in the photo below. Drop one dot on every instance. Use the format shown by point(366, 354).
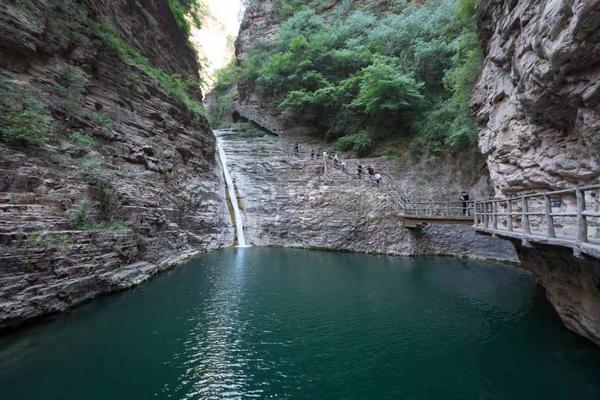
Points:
point(538, 108)
point(147, 169)
point(538, 99)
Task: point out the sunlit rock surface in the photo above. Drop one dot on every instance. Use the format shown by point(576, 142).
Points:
point(291, 202)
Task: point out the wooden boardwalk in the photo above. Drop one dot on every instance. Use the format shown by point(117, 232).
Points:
point(566, 218)
point(419, 213)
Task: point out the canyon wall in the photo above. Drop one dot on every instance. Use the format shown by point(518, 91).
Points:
point(538, 100)
point(339, 201)
point(292, 202)
point(126, 184)
point(538, 108)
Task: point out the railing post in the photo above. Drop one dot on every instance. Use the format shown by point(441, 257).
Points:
point(494, 214)
point(509, 222)
point(486, 217)
point(581, 219)
point(549, 218)
point(525, 221)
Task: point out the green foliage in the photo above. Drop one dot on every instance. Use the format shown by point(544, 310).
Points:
point(23, 116)
point(103, 122)
point(187, 13)
point(41, 239)
point(93, 171)
point(101, 190)
point(71, 87)
point(33, 239)
point(173, 84)
point(385, 91)
point(361, 143)
point(223, 94)
point(406, 72)
point(107, 197)
point(80, 218)
point(286, 8)
point(82, 139)
point(102, 193)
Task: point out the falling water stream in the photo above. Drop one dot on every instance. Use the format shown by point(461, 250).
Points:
point(237, 215)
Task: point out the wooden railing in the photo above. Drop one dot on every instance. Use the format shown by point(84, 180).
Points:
point(563, 214)
point(440, 209)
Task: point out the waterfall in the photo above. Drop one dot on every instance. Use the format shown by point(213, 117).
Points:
point(237, 214)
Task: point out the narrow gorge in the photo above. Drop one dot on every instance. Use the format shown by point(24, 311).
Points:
point(368, 190)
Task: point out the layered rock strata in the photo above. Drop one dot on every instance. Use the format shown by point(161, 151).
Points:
point(538, 108)
point(292, 202)
point(538, 100)
point(127, 184)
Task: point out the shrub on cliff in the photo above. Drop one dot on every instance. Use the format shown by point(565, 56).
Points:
point(70, 90)
point(401, 70)
point(173, 84)
point(23, 116)
point(223, 94)
point(187, 13)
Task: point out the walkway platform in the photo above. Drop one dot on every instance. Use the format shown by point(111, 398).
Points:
point(413, 221)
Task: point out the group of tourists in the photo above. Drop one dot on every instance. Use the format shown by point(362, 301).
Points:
point(341, 165)
point(368, 172)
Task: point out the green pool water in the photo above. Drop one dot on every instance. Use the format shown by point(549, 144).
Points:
point(277, 323)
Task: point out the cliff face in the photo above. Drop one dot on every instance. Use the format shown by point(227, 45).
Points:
point(445, 178)
point(538, 108)
point(290, 202)
point(126, 184)
point(538, 100)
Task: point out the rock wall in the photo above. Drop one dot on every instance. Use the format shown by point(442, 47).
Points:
point(124, 145)
point(289, 202)
point(538, 100)
point(537, 104)
point(446, 178)
point(572, 285)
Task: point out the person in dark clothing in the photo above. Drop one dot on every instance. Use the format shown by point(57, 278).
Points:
point(370, 170)
point(359, 171)
point(312, 154)
point(464, 197)
point(297, 150)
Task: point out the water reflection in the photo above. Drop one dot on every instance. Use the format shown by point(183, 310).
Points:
point(274, 323)
point(213, 352)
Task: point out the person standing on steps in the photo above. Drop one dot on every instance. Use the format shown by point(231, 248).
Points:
point(377, 179)
point(336, 161)
point(312, 154)
point(343, 166)
point(370, 170)
point(359, 171)
point(464, 197)
point(297, 150)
